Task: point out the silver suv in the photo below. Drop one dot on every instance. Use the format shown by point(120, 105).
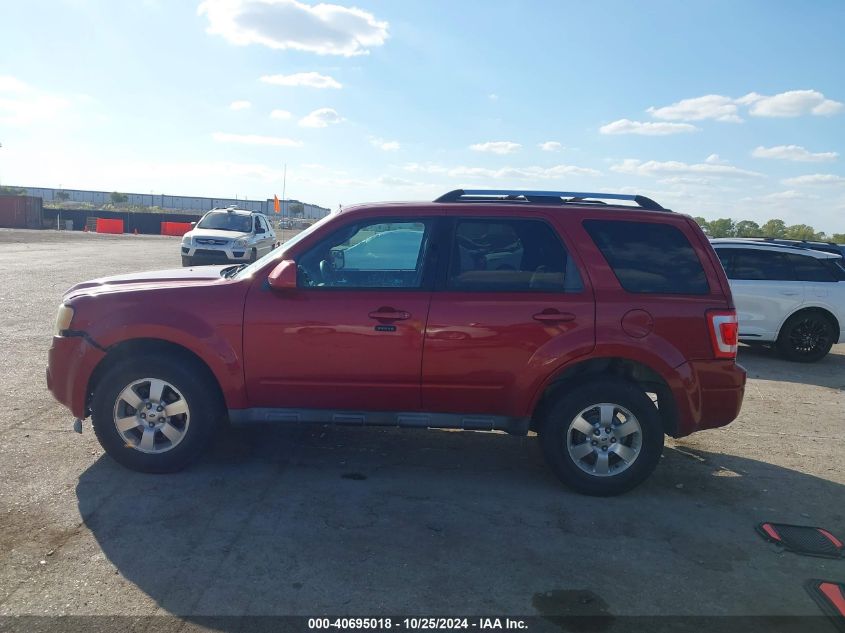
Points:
point(225, 236)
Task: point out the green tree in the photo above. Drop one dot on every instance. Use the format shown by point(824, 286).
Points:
point(774, 228)
point(295, 209)
point(723, 227)
point(62, 196)
point(839, 238)
point(802, 232)
point(703, 224)
point(12, 191)
point(118, 198)
point(748, 228)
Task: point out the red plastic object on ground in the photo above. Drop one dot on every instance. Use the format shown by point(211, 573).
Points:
point(177, 229)
point(109, 226)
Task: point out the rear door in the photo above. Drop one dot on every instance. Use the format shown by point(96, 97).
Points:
point(764, 288)
point(510, 301)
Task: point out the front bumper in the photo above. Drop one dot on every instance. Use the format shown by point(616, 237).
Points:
point(217, 254)
point(70, 363)
point(708, 394)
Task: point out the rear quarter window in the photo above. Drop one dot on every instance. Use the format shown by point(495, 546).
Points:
point(649, 258)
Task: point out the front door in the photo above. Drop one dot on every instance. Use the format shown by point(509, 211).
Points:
point(513, 306)
point(350, 336)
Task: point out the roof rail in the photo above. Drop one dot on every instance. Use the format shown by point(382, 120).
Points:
point(547, 197)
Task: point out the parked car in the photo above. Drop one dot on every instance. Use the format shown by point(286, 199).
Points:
point(789, 296)
point(611, 326)
point(228, 235)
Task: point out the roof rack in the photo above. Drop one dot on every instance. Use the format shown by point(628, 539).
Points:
point(545, 197)
point(790, 239)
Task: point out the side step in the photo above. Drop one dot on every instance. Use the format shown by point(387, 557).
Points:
point(466, 422)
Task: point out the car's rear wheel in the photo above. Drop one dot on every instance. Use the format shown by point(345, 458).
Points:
point(806, 337)
point(155, 414)
point(603, 437)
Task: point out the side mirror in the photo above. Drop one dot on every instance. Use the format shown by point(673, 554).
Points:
point(193, 224)
point(338, 258)
point(283, 276)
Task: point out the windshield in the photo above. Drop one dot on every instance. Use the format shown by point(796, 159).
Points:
point(279, 252)
point(224, 221)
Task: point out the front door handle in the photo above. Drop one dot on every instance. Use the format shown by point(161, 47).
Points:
point(553, 316)
point(389, 314)
point(789, 293)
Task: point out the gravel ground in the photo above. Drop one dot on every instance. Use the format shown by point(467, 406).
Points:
point(332, 520)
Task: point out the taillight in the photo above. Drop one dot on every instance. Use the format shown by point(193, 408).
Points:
point(724, 332)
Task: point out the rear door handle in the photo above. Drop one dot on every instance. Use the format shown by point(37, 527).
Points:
point(548, 316)
point(388, 314)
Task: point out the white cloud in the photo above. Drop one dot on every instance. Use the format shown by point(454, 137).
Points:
point(392, 181)
point(425, 168)
point(661, 168)
point(493, 96)
point(321, 117)
point(280, 114)
point(793, 152)
point(788, 195)
point(699, 108)
point(311, 80)
point(387, 146)
point(325, 29)
point(22, 104)
point(714, 159)
point(13, 84)
point(550, 146)
point(814, 179)
point(626, 126)
point(255, 139)
point(496, 147)
point(522, 173)
point(791, 104)
point(240, 105)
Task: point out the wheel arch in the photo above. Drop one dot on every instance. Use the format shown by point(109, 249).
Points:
point(119, 352)
point(617, 367)
point(818, 310)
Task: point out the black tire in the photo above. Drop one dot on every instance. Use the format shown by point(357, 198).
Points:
point(187, 261)
point(554, 429)
point(806, 337)
point(253, 256)
point(201, 394)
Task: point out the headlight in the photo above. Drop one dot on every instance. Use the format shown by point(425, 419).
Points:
point(63, 319)
point(186, 240)
point(241, 243)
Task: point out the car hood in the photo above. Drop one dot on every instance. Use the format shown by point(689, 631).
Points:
point(216, 233)
point(197, 275)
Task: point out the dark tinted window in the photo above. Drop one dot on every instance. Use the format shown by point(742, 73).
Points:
point(649, 258)
point(761, 265)
point(510, 256)
point(810, 269)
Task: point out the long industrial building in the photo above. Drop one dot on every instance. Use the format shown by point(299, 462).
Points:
point(178, 203)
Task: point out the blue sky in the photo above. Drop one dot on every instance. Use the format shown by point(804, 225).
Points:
point(713, 108)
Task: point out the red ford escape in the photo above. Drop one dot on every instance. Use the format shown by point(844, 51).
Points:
point(601, 326)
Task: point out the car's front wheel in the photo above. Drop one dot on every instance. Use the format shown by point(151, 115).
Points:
point(187, 261)
point(603, 437)
point(806, 337)
point(155, 414)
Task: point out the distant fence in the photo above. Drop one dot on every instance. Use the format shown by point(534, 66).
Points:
point(147, 223)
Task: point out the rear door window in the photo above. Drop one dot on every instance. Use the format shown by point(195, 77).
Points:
point(759, 265)
point(648, 257)
point(507, 255)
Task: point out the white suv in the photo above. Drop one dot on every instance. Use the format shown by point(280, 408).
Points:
point(228, 236)
point(791, 296)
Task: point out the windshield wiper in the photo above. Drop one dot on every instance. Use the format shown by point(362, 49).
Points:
point(231, 271)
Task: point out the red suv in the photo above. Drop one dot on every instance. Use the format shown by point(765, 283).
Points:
point(599, 326)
